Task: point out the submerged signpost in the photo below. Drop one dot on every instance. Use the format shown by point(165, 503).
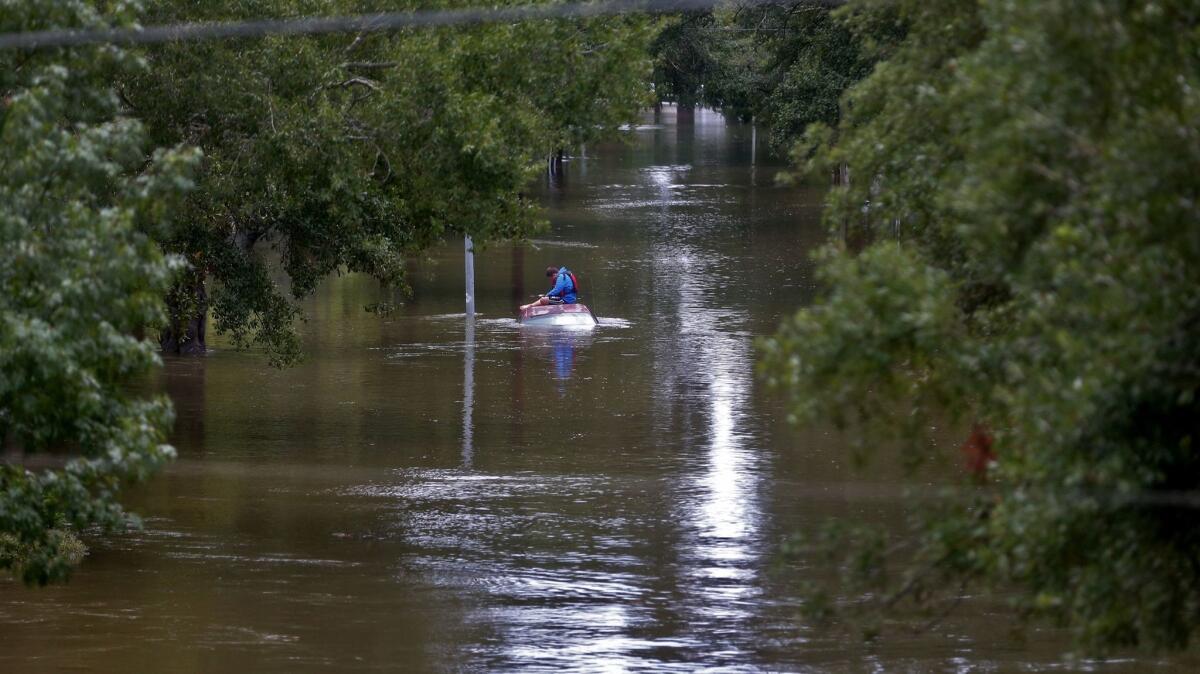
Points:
point(468, 449)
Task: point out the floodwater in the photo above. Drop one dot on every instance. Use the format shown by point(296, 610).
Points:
point(425, 495)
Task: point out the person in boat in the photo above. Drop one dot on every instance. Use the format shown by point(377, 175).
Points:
point(565, 290)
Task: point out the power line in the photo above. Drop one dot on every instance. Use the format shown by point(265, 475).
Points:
point(365, 23)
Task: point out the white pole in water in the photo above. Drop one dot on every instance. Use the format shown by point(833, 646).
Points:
point(468, 449)
point(469, 259)
point(468, 446)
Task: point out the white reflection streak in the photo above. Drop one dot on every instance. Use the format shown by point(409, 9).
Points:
point(468, 449)
point(663, 178)
point(606, 649)
point(726, 515)
point(727, 512)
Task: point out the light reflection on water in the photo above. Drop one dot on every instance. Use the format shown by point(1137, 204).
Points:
point(704, 356)
point(468, 425)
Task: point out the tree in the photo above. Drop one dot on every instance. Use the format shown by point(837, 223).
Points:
point(785, 64)
point(1025, 171)
point(355, 152)
point(684, 62)
point(79, 280)
point(811, 58)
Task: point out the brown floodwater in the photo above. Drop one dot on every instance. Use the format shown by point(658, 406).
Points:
point(424, 495)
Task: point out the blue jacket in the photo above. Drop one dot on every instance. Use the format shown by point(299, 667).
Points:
point(563, 288)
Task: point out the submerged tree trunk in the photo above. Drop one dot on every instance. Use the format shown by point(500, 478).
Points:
point(187, 304)
point(555, 164)
point(840, 177)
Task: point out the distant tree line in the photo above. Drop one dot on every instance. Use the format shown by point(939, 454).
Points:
point(784, 63)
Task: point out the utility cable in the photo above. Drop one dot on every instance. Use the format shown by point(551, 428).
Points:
point(364, 23)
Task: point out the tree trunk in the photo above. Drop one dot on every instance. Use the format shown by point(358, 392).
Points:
point(556, 168)
point(187, 304)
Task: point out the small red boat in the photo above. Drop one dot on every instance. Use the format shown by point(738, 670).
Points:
point(558, 316)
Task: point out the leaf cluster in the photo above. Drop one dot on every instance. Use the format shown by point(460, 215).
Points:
point(80, 279)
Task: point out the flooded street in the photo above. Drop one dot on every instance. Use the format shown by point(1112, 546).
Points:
point(414, 497)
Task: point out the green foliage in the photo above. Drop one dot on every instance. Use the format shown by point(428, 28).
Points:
point(1033, 164)
point(786, 63)
point(355, 152)
point(684, 58)
point(79, 280)
point(16, 555)
point(823, 360)
point(802, 58)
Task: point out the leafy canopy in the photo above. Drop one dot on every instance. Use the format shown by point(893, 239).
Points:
point(356, 152)
point(784, 63)
point(1026, 171)
point(79, 280)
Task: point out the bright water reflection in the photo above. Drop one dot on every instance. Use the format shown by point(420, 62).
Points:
point(705, 355)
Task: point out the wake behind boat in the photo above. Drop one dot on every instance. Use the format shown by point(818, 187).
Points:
point(557, 316)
